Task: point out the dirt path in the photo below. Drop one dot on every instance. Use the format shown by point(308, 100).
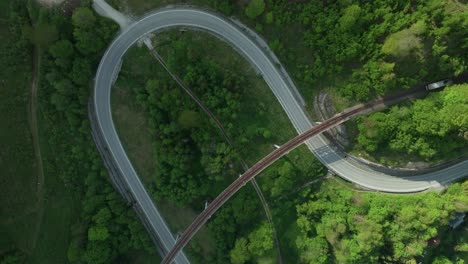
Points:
point(32, 116)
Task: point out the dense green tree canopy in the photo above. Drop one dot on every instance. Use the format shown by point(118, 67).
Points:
point(338, 225)
point(430, 128)
point(106, 226)
point(363, 49)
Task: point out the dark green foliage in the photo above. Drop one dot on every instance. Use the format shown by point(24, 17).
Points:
point(107, 226)
point(63, 52)
point(18, 174)
point(193, 163)
point(90, 33)
point(193, 160)
point(13, 257)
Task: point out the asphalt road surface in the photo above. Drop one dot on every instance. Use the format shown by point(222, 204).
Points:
point(163, 19)
point(257, 168)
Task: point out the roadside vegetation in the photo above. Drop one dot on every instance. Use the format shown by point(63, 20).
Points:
point(355, 51)
point(191, 162)
point(338, 225)
point(431, 129)
point(84, 219)
point(373, 48)
point(368, 57)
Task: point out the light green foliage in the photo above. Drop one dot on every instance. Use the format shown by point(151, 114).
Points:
point(377, 77)
point(98, 252)
point(255, 8)
point(74, 251)
point(404, 42)
point(259, 27)
point(442, 260)
point(276, 45)
point(314, 250)
point(341, 44)
point(282, 177)
point(259, 242)
point(361, 228)
point(431, 128)
point(242, 211)
point(240, 253)
point(350, 17)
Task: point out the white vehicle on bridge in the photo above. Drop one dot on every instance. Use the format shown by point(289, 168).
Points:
point(438, 85)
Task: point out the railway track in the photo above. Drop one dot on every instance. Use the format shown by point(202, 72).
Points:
point(222, 198)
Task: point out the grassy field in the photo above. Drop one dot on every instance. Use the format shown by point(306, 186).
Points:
point(61, 206)
point(18, 179)
point(35, 223)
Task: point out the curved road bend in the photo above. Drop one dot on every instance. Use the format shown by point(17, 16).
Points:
point(222, 198)
point(161, 19)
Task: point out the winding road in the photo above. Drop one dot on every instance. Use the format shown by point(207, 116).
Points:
point(258, 57)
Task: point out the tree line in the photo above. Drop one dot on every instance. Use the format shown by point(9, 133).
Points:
point(107, 226)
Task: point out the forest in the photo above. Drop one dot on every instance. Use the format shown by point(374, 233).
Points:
point(248, 242)
point(17, 162)
point(356, 50)
point(105, 228)
point(338, 225)
point(374, 48)
point(369, 57)
point(182, 134)
point(430, 128)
